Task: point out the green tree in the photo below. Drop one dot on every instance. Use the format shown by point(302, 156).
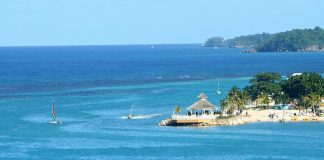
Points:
point(248, 40)
point(314, 101)
point(234, 100)
point(263, 100)
point(306, 102)
point(214, 42)
point(224, 105)
point(243, 98)
point(177, 109)
point(302, 85)
point(306, 89)
point(301, 105)
point(294, 40)
point(264, 83)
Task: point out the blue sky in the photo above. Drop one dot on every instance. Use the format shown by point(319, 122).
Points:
point(108, 22)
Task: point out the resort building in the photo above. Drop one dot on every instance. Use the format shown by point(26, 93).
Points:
point(202, 111)
point(296, 74)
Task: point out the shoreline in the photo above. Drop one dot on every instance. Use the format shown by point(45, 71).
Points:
point(253, 116)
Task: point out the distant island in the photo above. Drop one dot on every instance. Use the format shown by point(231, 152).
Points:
point(296, 40)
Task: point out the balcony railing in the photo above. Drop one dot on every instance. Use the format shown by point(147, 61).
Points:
point(192, 117)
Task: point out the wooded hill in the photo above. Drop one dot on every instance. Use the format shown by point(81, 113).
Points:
point(303, 40)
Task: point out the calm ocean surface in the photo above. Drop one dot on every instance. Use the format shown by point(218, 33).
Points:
point(95, 86)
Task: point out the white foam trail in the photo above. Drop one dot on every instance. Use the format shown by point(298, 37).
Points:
point(46, 118)
point(142, 116)
point(161, 90)
point(37, 118)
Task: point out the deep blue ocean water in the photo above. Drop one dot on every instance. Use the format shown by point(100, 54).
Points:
point(95, 86)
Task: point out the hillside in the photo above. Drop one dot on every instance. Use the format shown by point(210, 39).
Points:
point(304, 40)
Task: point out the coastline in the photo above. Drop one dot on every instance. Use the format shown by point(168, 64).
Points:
point(253, 116)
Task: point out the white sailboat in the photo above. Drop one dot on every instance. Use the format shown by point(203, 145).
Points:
point(130, 114)
point(54, 120)
point(218, 91)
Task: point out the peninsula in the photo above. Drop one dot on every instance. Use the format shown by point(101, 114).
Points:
point(296, 40)
point(268, 98)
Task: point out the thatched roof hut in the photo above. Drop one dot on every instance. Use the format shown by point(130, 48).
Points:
point(202, 104)
point(202, 96)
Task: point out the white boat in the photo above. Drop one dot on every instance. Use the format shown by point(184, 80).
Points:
point(218, 91)
point(54, 120)
point(130, 114)
point(152, 46)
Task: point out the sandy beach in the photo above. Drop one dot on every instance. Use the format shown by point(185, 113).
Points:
point(269, 115)
point(251, 116)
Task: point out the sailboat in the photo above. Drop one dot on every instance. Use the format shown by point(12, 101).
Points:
point(54, 120)
point(130, 115)
point(218, 91)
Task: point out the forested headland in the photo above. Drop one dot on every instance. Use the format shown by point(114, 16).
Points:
point(296, 40)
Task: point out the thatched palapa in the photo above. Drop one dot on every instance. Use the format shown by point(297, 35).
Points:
point(202, 104)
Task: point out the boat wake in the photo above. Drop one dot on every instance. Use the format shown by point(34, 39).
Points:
point(142, 116)
point(44, 118)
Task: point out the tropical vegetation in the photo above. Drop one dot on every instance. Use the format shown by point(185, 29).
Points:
point(304, 91)
point(248, 41)
point(294, 40)
point(215, 42)
point(177, 110)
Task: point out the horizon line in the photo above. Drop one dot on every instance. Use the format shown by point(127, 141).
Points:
point(141, 44)
point(79, 45)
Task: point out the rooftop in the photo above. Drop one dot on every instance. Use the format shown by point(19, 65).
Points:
point(202, 104)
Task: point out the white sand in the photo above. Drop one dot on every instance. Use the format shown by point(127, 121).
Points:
point(263, 116)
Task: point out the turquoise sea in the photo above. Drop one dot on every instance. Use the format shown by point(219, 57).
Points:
point(94, 88)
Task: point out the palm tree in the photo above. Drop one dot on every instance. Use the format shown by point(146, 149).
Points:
point(233, 92)
point(279, 97)
point(243, 98)
point(300, 105)
point(314, 101)
point(224, 105)
point(306, 102)
point(263, 99)
point(233, 99)
point(177, 110)
point(283, 98)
